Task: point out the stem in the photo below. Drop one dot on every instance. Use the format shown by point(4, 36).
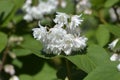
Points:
point(75, 3)
point(68, 69)
point(117, 15)
point(100, 15)
point(4, 58)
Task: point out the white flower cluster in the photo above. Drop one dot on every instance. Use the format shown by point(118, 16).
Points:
point(115, 56)
point(84, 6)
point(63, 37)
point(43, 8)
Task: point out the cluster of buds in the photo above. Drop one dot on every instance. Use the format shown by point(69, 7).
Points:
point(84, 6)
point(15, 40)
point(8, 68)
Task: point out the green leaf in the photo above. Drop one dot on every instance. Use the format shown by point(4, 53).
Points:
point(102, 35)
point(106, 72)
point(17, 5)
point(98, 55)
point(25, 77)
point(21, 52)
point(83, 62)
point(17, 63)
point(47, 73)
point(3, 41)
point(98, 3)
point(113, 29)
point(33, 45)
point(110, 3)
point(6, 6)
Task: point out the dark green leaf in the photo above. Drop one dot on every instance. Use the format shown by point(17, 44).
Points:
point(113, 29)
point(83, 62)
point(47, 73)
point(3, 41)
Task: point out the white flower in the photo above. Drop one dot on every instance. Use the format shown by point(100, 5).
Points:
point(59, 39)
point(61, 18)
point(36, 13)
point(75, 21)
point(55, 38)
point(27, 4)
point(73, 26)
point(28, 17)
point(8, 68)
point(40, 33)
point(118, 67)
point(113, 44)
point(14, 78)
point(68, 44)
point(114, 57)
point(79, 43)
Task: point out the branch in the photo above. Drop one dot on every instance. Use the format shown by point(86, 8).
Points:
point(4, 58)
point(68, 69)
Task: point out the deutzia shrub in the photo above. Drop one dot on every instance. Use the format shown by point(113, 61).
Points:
point(63, 37)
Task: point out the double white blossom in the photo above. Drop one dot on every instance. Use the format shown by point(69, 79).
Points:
point(63, 37)
point(43, 8)
point(113, 44)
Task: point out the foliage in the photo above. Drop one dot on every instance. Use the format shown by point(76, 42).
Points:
point(19, 48)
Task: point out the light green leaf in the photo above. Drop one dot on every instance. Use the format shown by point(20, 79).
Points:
point(33, 45)
point(3, 41)
point(25, 77)
point(6, 6)
point(98, 55)
point(106, 72)
point(17, 63)
point(110, 3)
point(102, 35)
point(21, 52)
point(17, 4)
